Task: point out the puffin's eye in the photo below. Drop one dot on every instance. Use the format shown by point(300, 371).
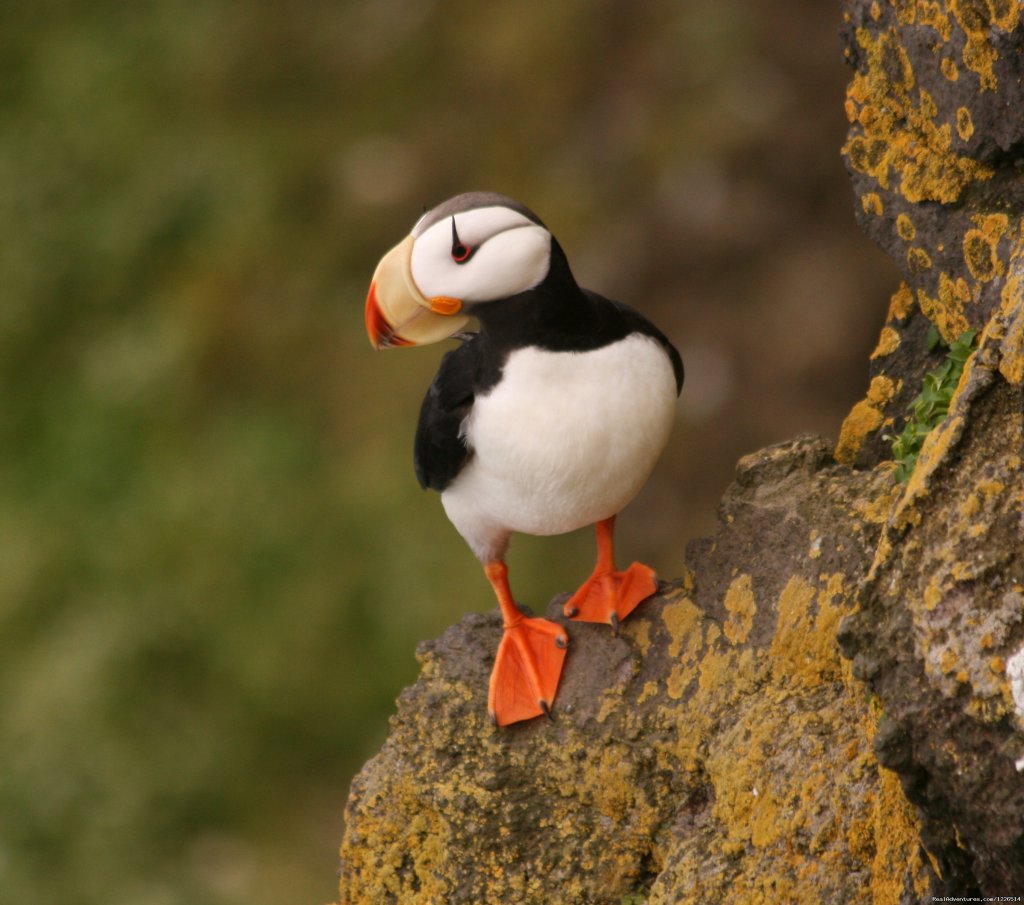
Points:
point(460, 251)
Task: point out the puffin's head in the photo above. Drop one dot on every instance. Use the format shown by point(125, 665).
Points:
point(475, 248)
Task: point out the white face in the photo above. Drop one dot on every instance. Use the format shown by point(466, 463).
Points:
point(507, 253)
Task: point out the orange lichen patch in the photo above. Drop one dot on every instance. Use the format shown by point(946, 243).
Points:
point(888, 342)
point(739, 602)
point(900, 136)
point(964, 123)
point(684, 622)
point(876, 511)
point(781, 821)
point(872, 204)
point(933, 13)
point(641, 635)
point(792, 640)
point(981, 252)
point(918, 260)
point(866, 416)
point(901, 304)
point(905, 228)
point(946, 310)
point(949, 69)
point(881, 390)
point(682, 619)
point(1011, 349)
point(948, 661)
point(989, 488)
point(933, 451)
point(979, 55)
point(650, 691)
point(897, 843)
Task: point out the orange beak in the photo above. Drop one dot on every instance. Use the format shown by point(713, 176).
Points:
point(398, 314)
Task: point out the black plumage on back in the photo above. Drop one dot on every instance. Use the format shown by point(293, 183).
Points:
point(557, 316)
point(439, 450)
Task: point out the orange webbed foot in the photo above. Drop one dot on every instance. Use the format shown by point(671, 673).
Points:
point(529, 661)
point(610, 596)
point(526, 670)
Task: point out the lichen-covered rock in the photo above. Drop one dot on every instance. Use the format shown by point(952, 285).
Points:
point(940, 623)
point(939, 635)
point(722, 749)
point(935, 151)
point(718, 749)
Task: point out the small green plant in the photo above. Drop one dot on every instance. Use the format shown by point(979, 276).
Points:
point(932, 403)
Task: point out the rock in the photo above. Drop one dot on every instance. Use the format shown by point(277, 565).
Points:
point(719, 743)
point(941, 615)
point(828, 705)
point(935, 152)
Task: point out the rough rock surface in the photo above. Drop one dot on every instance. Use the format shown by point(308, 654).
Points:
point(718, 746)
point(721, 749)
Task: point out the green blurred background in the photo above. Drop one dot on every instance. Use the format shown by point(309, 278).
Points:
point(215, 560)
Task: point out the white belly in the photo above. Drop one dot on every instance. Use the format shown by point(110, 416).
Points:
point(564, 440)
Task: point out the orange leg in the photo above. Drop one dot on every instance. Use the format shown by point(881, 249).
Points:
point(610, 596)
point(529, 661)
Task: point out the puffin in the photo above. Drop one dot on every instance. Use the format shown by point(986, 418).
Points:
point(546, 418)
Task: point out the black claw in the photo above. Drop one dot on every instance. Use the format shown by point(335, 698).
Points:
point(572, 611)
point(561, 641)
point(546, 707)
point(494, 718)
point(614, 620)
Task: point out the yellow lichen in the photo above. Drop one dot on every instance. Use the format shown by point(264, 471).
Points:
point(899, 135)
point(946, 310)
point(981, 246)
point(641, 636)
point(918, 260)
point(872, 204)
point(949, 69)
point(876, 511)
point(964, 123)
point(680, 618)
point(905, 228)
point(865, 417)
point(948, 661)
point(650, 691)
point(790, 642)
point(1011, 349)
point(978, 21)
point(888, 342)
point(683, 621)
point(901, 304)
point(897, 844)
point(739, 602)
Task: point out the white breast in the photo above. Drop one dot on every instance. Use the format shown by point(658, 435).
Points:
point(565, 439)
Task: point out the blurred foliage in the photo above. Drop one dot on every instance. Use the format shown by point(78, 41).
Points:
point(216, 562)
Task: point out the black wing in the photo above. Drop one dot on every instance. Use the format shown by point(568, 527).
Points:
point(440, 452)
point(637, 323)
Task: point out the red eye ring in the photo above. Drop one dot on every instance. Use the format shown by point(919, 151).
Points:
point(460, 252)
